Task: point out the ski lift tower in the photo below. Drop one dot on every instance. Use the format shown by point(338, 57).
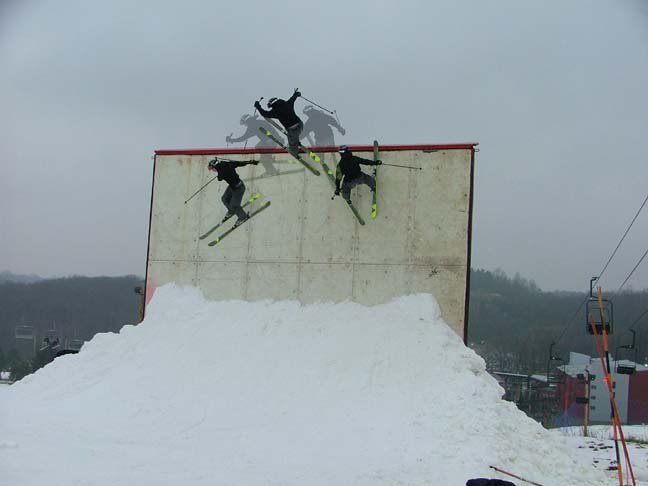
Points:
point(25, 340)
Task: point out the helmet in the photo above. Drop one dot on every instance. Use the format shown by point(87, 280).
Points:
point(344, 149)
point(272, 101)
point(308, 109)
point(245, 118)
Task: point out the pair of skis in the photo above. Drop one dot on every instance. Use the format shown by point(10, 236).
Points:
point(278, 142)
point(327, 169)
point(219, 238)
point(374, 197)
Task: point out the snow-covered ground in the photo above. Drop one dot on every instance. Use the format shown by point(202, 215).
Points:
point(600, 444)
point(239, 393)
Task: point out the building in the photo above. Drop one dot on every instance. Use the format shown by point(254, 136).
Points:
point(630, 391)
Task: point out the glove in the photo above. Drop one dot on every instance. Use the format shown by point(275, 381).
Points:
point(342, 131)
point(337, 192)
point(255, 162)
point(257, 105)
point(228, 139)
point(378, 162)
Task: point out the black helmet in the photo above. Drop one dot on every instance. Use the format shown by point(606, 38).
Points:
point(344, 149)
point(272, 101)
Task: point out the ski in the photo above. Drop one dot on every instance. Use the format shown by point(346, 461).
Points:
point(254, 197)
point(331, 178)
point(278, 142)
point(304, 149)
point(252, 214)
point(374, 202)
point(355, 212)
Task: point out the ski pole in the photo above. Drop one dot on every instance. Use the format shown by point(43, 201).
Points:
point(514, 476)
point(403, 166)
point(211, 180)
point(319, 106)
point(259, 100)
point(192, 196)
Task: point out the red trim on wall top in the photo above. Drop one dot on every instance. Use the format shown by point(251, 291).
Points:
point(356, 148)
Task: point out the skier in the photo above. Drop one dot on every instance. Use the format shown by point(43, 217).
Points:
point(252, 124)
point(233, 195)
point(284, 111)
point(319, 124)
point(349, 169)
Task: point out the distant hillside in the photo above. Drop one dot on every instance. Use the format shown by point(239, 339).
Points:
point(513, 322)
point(77, 307)
point(6, 276)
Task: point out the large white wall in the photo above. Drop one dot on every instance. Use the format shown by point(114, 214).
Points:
point(306, 246)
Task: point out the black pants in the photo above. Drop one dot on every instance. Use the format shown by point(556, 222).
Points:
point(232, 200)
point(293, 134)
point(362, 179)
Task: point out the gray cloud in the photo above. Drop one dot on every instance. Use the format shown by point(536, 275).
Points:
point(554, 93)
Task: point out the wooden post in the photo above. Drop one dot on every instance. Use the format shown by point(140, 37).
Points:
point(587, 405)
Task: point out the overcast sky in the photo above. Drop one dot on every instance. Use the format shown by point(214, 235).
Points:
point(555, 92)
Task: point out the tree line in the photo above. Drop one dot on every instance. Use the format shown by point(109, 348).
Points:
point(512, 322)
point(72, 308)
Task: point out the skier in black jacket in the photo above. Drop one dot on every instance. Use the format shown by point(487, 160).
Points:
point(349, 169)
point(226, 171)
point(284, 111)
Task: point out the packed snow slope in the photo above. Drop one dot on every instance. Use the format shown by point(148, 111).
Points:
point(240, 393)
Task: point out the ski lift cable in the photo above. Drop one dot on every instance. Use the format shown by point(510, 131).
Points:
point(631, 326)
point(571, 319)
point(622, 238)
point(638, 319)
point(624, 282)
point(629, 275)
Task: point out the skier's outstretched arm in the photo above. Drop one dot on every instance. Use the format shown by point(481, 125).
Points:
point(362, 161)
point(244, 163)
point(266, 113)
point(334, 123)
point(249, 133)
point(294, 96)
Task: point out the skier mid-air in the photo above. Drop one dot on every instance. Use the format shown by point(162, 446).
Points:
point(226, 171)
point(252, 124)
point(284, 111)
point(320, 125)
point(348, 173)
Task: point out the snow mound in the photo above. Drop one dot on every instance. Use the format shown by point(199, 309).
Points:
point(257, 393)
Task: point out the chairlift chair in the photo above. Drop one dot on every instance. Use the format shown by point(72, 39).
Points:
point(629, 355)
point(625, 369)
point(599, 316)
